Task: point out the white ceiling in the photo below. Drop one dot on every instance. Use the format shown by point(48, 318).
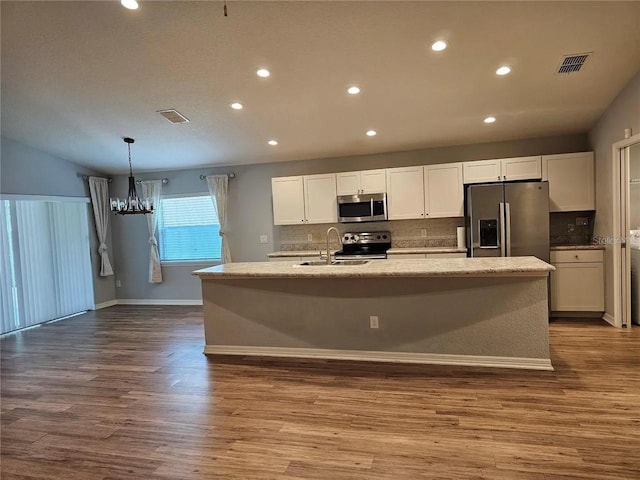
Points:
point(78, 76)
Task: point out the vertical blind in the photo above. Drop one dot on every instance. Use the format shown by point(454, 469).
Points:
point(188, 229)
point(46, 263)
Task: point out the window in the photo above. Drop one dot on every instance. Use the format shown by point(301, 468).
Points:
point(188, 229)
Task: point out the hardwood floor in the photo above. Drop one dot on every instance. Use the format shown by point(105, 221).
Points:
point(125, 393)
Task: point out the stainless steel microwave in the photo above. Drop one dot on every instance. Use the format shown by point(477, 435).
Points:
point(362, 208)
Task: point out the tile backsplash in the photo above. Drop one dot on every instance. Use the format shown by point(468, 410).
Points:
point(438, 232)
point(571, 228)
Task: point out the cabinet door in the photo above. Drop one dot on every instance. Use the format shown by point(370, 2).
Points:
point(522, 168)
point(288, 200)
point(320, 205)
point(373, 181)
point(405, 193)
point(482, 171)
point(348, 183)
point(571, 181)
point(577, 287)
point(443, 191)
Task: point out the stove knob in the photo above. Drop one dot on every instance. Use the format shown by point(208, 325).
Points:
point(355, 238)
point(378, 237)
point(384, 236)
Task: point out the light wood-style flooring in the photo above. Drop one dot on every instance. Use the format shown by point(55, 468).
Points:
point(125, 393)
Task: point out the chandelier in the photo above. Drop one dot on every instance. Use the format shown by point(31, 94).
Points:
point(132, 204)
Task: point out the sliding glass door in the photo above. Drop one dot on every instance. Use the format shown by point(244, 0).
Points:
point(46, 265)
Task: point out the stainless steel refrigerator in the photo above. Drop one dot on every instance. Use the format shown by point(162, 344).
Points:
point(508, 219)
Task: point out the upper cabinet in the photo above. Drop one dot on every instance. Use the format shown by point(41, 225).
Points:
point(320, 205)
point(443, 190)
point(304, 199)
point(367, 181)
point(571, 181)
point(288, 200)
point(503, 169)
point(405, 193)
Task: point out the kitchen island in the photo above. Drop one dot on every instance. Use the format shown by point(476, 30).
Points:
point(469, 311)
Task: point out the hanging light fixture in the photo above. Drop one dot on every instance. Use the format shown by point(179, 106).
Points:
point(132, 204)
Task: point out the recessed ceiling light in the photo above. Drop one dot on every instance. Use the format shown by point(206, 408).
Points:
point(371, 133)
point(438, 46)
point(489, 119)
point(236, 106)
point(263, 72)
point(504, 70)
point(273, 143)
point(353, 90)
point(130, 4)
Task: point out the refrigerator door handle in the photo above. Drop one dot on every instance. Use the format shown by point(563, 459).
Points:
point(503, 252)
point(507, 212)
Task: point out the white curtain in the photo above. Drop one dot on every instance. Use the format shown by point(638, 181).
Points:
point(218, 188)
point(99, 188)
point(153, 189)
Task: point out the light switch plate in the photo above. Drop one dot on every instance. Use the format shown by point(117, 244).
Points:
point(264, 239)
point(423, 232)
point(309, 237)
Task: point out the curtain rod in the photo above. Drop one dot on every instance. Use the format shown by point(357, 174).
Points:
point(164, 181)
point(230, 175)
point(86, 177)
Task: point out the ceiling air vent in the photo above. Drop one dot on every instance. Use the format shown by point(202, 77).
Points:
point(173, 116)
point(572, 63)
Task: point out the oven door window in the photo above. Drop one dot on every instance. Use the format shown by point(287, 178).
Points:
point(352, 210)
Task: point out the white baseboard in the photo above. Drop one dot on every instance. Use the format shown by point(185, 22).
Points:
point(394, 357)
point(155, 301)
point(110, 303)
point(609, 319)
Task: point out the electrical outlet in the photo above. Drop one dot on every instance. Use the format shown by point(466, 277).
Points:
point(373, 321)
point(571, 228)
point(423, 232)
point(118, 283)
point(309, 237)
point(264, 239)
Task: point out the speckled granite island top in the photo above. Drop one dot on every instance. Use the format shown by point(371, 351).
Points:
point(409, 250)
point(450, 267)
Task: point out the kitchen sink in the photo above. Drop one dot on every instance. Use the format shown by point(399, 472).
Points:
point(320, 263)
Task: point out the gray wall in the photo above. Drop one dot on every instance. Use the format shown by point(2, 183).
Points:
point(624, 112)
point(27, 171)
point(250, 211)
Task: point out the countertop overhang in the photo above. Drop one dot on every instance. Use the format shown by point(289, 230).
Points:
point(450, 267)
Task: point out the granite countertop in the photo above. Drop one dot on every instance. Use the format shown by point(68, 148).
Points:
point(300, 253)
point(591, 246)
point(446, 267)
point(427, 250)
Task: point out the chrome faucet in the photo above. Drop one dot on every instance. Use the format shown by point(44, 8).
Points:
point(328, 249)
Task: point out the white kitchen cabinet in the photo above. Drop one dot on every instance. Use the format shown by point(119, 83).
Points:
point(482, 171)
point(577, 284)
point(503, 169)
point(443, 190)
point(320, 205)
point(367, 181)
point(304, 199)
point(571, 181)
point(288, 200)
point(405, 193)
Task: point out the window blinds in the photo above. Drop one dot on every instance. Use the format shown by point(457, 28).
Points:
point(188, 229)
point(46, 265)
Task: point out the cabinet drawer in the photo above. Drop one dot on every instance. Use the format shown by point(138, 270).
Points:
point(577, 256)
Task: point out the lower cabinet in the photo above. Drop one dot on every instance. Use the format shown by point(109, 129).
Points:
point(577, 284)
